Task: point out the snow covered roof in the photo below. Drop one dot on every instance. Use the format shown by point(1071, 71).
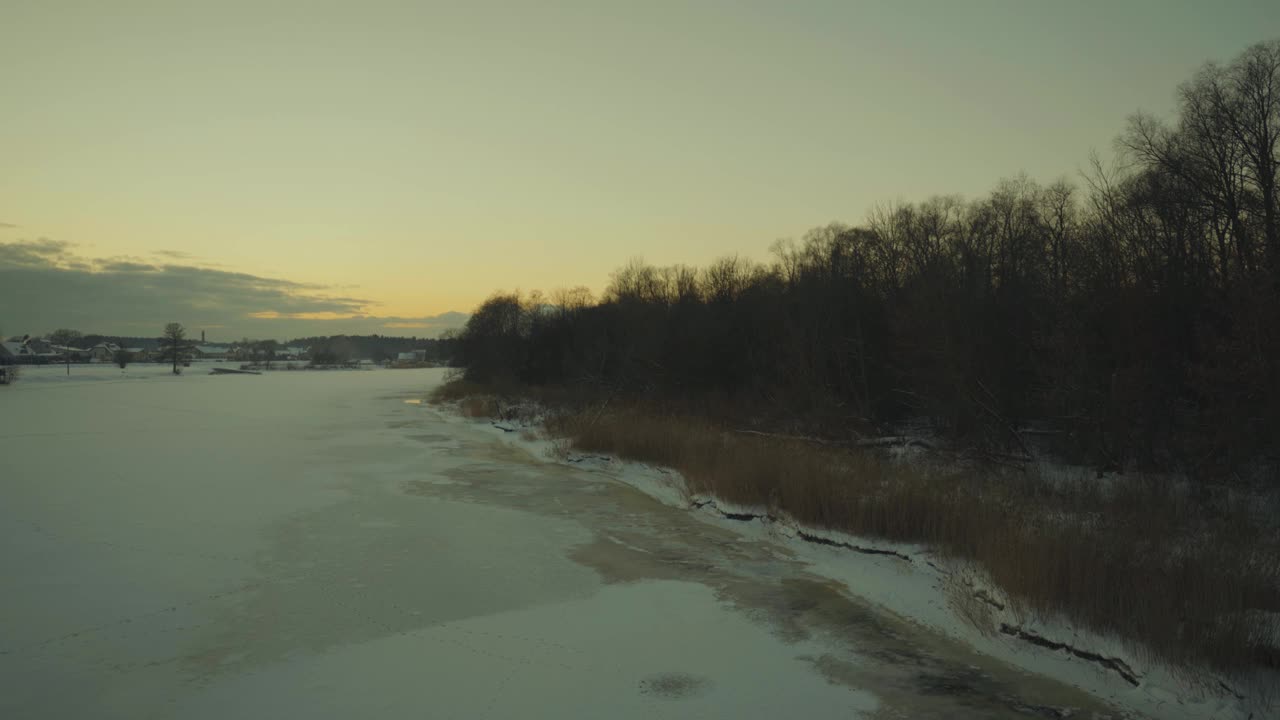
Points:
point(13, 348)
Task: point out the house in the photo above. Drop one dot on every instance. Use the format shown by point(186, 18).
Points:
point(413, 358)
point(22, 348)
point(209, 352)
point(14, 352)
point(74, 354)
point(138, 354)
point(291, 353)
point(40, 346)
point(103, 352)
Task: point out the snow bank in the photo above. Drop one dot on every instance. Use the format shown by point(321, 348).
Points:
point(946, 596)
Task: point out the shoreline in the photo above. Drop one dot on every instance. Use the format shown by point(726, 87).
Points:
point(921, 585)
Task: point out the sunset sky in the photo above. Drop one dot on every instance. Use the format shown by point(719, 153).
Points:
point(273, 168)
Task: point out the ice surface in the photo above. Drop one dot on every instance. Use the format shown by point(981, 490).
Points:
point(242, 546)
point(309, 544)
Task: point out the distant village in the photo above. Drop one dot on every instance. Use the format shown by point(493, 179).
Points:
point(65, 347)
point(37, 350)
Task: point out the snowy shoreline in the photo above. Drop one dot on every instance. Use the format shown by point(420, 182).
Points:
point(950, 598)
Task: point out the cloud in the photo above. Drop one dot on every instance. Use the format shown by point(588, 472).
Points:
point(7, 226)
point(124, 266)
point(36, 254)
point(45, 285)
point(427, 326)
point(404, 324)
point(436, 322)
point(173, 254)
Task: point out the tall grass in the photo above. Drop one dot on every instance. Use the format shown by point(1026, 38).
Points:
point(1185, 579)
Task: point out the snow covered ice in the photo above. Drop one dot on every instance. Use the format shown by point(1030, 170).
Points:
point(316, 544)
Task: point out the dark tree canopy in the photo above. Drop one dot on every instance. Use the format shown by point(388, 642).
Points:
point(1135, 320)
point(173, 345)
point(65, 337)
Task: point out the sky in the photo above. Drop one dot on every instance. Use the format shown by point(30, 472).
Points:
point(288, 168)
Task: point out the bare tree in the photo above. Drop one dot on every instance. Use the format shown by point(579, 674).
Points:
point(173, 344)
point(1252, 112)
point(64, 337)
point(266, 349)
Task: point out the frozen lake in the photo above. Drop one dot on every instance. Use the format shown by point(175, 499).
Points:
point(323, 545)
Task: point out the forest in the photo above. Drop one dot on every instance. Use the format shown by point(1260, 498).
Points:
point(1126, 320)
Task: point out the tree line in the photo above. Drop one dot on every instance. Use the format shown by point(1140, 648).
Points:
point(1131, 320)
point(375, 347)
point(340, 348)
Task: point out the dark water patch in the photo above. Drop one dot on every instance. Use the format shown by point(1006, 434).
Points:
point(1116, 665)
point(431, 438)
point(819, 540)
point(957, 683)
point(674, 685)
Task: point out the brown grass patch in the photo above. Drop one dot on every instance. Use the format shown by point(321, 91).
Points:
point(1186, 578)
point(479, 406)
point(1183, 581)
point(457, 389)
point(965, 595)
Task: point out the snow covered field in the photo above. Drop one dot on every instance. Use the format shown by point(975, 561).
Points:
point(322, 544)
